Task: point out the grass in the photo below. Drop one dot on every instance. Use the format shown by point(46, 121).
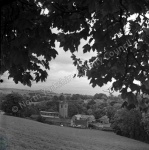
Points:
point(23, 134)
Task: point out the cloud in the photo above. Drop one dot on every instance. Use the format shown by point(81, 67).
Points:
point(60, 68)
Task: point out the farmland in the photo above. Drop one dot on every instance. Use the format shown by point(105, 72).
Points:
point(23, 134)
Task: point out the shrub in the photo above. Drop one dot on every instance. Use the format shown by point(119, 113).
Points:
point(40, 119)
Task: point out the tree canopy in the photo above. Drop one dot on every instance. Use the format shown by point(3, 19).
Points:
point(117, 30)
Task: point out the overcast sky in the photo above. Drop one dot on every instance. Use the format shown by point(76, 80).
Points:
point(60, 68)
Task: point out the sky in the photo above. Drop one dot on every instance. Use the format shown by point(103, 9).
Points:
point(61, 68)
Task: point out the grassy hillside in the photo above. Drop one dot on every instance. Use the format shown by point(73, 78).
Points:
point(23, 134)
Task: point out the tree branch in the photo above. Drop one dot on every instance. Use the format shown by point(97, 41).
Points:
point(6, 2)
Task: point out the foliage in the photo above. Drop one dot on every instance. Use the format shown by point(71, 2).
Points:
point(129, 124)
point(90, 112)
point(122, 52)
point(42, 105)
point(111, 112)
point(52, 105)
point(10, 101)
point(98, 113)
point(2, 97)
point(100, 96)
point(30, 110)
point(103, 105)
point(144, 104)
point(61, 97)
point(55, 98)
point(75, 97)
point(76, 108)
point(25, 36)
point(68, 97)
point(15, 100)
point(48, 105)
point(72, 110)
point(90, 104)
point(40, 119)
point(145, 123)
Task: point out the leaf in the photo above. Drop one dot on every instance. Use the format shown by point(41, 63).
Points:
point(146, 83)
point(86, 48)
point(91, 6)
point(90, 40)
point(131, 98)
point(102, 23)
point(134, 87)
point(124, 93)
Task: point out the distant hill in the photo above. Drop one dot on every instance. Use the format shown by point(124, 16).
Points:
point(20, 91)
point(26, 92)
point(45, 95)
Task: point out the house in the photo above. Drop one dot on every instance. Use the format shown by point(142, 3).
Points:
point(82, 120)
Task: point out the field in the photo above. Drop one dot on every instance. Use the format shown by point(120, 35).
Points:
point(23, 134)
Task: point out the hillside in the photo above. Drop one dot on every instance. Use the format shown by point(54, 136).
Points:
point(20, 91)
point(23, 134)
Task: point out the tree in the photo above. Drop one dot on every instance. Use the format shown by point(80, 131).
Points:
point(25, 36)
point(122, 44)
point(131, 124)
point(98, 113)
point(52, 106)
point(11, 104)
point(2, 97)
point(61, 97)
point(68, 97)
point(111, 112)
point(76, 97)
point(100, 96)
point(90, 104)
point(72, 110)
point(55, 98)
point(89, 111)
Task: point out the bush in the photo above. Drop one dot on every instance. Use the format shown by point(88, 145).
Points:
point(130, 124)
point(40, 119)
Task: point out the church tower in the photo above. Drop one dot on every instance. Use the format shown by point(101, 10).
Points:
point(63, 109)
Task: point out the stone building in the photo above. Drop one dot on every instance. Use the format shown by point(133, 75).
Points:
point(63, 109)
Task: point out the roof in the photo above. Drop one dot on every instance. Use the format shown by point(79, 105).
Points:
point(104, 117)
point(50, 112)
point(84, 117)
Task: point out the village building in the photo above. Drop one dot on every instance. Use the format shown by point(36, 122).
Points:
point(82, 120)
point(63, 111)
point(46, 114)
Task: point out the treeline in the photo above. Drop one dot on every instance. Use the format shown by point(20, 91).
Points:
point(127, 118)
point(97, 105)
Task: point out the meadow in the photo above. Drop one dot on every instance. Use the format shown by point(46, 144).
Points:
point(24, 134)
